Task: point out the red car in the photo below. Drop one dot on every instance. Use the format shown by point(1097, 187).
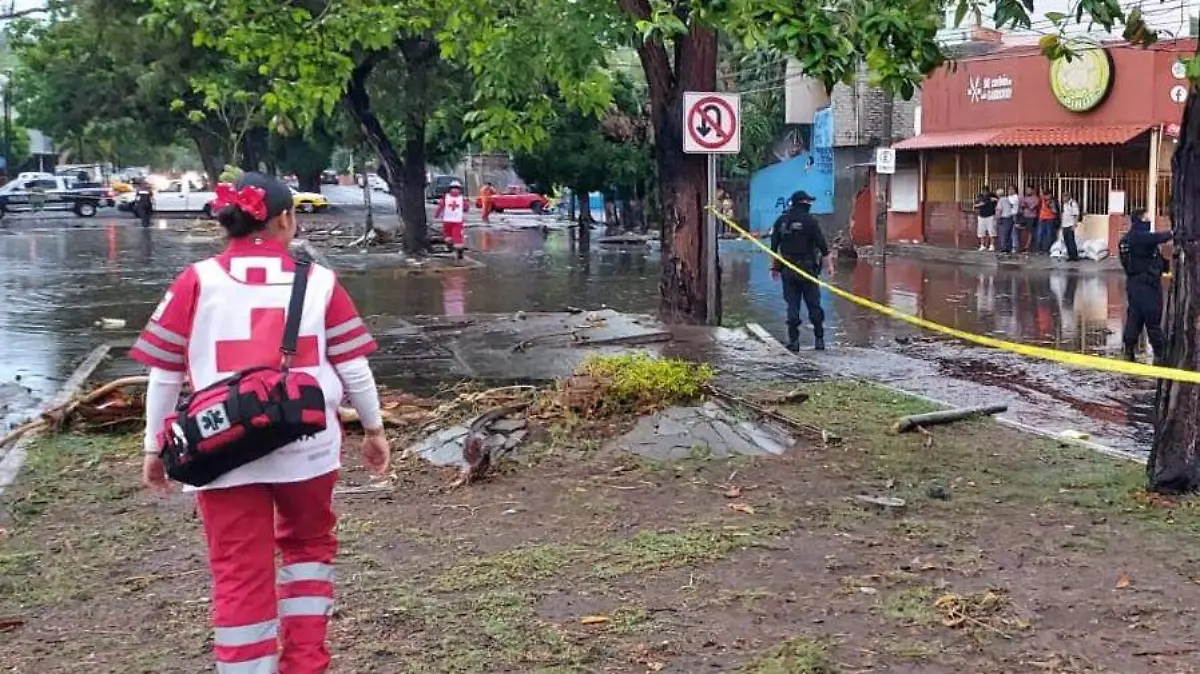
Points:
point(516, 197)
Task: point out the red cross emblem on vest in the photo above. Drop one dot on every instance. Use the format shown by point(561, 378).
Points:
point(262, 349)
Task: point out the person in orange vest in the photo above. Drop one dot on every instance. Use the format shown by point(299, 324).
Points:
point(452, 210)
point(486, 195)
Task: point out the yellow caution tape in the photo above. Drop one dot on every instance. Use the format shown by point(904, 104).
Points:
point(1065, 357)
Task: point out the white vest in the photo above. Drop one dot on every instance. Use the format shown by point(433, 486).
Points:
point(453, 210)
point(222, 319)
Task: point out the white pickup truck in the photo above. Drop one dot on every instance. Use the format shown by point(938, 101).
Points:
point(183, 196)
point(177, 196)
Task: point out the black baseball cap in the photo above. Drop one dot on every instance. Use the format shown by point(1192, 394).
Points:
point(279, 196)
point(802, 196)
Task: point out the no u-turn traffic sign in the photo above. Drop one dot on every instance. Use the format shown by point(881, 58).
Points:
point(712, 123)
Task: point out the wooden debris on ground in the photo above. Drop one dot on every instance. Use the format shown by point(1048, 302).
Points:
point(107, 407)
point(762, 411)
point(915, 421)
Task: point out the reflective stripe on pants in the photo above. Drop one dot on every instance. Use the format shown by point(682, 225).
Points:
point(267, 665)
point(306, 606)
point(244, 527)
point(246, 635)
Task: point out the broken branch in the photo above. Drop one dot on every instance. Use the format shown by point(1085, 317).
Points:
point(54, 417)
point(915, 421)
point(759, 409)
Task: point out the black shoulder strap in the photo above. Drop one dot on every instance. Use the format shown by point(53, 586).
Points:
point(291, 330)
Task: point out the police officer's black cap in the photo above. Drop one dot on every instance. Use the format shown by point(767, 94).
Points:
point(802, 196)
point(279, 197)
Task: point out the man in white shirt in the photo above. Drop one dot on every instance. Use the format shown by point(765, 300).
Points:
point(1070, 218)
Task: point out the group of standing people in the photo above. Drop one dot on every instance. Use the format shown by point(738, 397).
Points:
point(1011, 222)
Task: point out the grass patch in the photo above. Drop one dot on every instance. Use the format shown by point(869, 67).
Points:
point(521, 565)
point(910, 650)
point(795, 656)
point(608, 558)
point(65, 467)
point(698, 544)
point(981, 464)
point(910, 605)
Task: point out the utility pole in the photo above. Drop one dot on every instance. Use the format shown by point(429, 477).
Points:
point(8, 123)
point(370, 224)
point(881, 181)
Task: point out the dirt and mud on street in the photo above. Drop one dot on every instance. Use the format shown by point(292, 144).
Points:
point(970, 548)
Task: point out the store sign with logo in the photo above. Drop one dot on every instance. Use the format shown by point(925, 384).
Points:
point(1082, 83)
point(997, 88)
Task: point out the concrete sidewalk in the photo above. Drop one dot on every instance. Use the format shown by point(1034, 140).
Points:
point(922, 251)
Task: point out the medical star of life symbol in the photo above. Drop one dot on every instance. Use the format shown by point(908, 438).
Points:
point(974, 90)
point(212, 420)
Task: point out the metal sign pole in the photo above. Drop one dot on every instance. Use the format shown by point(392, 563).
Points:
point(710, 235)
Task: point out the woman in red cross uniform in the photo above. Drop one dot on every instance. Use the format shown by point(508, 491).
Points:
point(226, 314)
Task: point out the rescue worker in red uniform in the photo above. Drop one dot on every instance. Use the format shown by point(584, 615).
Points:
point(452, 210)
point(226, 314)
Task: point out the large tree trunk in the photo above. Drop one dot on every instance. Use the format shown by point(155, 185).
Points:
point(583, 226)
point(209, 149)
point(683, 178)
point(358, 103)
point(421, 58)
point(410, 188)
point(253, 149)
point(1174, 465)
point(309, 182)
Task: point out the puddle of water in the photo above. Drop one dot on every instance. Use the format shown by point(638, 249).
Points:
point(57, 281)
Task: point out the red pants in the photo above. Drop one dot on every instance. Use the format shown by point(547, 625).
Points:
point(487, 212)
point(453, 231)
point(244, 526)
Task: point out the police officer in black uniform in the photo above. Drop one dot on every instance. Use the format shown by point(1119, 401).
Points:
point(1144, 266)
point(797, 237)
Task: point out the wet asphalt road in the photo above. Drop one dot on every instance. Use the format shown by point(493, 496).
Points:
point(58, 277)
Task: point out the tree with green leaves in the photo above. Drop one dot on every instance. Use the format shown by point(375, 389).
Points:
point(306, 155)
point(585, 153)
point(94, 71)
point(19, 147)
point(368, 57)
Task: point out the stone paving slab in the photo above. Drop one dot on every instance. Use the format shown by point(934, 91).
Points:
point(710, 430)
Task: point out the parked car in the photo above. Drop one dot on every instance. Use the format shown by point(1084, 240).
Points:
point(437, 186)
point(53, 193)
point(329, 177)
point(517, 197)
point(309, 202)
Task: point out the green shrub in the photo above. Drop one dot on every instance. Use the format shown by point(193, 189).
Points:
point(639, 381)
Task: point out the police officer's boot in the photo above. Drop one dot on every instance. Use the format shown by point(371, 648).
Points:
point(793, 344)
point(1131, 353)
point(820, 344)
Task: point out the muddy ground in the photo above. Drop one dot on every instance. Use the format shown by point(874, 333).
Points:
point(1012, 554)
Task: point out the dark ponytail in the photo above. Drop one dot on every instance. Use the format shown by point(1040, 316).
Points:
point(239, 223)
point(250, 203)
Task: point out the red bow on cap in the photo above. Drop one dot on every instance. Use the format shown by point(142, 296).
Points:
point(251, 199)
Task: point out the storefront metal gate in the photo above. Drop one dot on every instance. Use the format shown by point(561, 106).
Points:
point(1091, 193)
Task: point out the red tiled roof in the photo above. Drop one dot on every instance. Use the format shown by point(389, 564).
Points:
point(1027, 136)
point(929, 141)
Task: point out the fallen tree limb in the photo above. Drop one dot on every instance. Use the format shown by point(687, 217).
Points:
point(54, 417)
point(628, 340)
point(763, 411)
point(916, 421)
